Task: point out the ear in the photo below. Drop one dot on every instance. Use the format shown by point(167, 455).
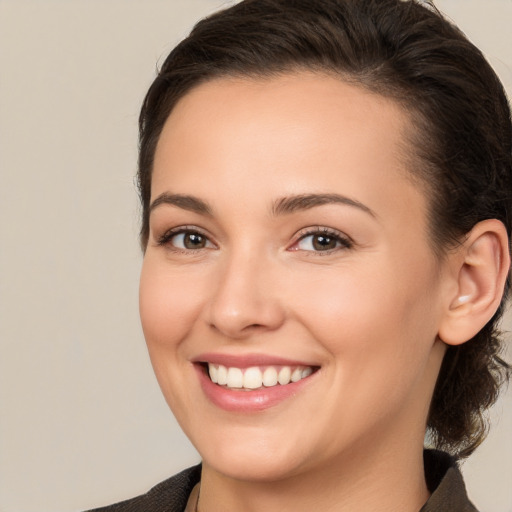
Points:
point(480, 267)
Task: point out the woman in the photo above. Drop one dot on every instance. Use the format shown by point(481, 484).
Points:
point(326, 190)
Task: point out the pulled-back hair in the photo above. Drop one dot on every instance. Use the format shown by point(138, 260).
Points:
point(460, 141)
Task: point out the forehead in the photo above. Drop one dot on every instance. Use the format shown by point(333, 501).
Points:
point(294, 133)
point(292, 98)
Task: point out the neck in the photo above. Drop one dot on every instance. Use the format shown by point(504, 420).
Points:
point(365, 480)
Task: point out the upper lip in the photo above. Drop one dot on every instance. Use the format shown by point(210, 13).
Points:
point(248, 360)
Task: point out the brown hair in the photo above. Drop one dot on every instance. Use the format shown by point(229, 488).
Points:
point(461, 144)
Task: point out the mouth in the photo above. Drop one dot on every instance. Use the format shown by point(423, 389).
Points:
point(251, 383)
point(256, 377)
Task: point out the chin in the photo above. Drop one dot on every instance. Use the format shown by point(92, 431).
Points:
point(253, 467)
point(252, 459)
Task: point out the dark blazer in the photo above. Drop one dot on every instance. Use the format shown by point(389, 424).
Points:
point(444, 481)
point(168, 496)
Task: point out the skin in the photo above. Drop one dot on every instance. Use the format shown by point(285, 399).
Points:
point(367, 314)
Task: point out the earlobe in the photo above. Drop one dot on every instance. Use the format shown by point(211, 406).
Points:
point(483, 262)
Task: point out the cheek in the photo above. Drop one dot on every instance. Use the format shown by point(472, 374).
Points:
point(373, 319)
point(378, 337)
point(341, 307)
point(168, 309)
point(169, 303)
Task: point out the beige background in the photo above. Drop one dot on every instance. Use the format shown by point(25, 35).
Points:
point(82, 422)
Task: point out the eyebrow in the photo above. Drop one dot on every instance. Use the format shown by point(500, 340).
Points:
point(291, 204)
point(282, 206)
point(186, 202)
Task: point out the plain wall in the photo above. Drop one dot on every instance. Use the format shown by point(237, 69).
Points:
point(82, 421)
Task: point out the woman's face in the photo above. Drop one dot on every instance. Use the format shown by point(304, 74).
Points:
point(288, 242)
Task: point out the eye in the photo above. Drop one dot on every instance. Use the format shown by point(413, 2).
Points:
point(189, 240)
point(322, 240)
point(185, 239)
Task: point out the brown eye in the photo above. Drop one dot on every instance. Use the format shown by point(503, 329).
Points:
point(324, 242)
point(193, 241)
point(186, 240)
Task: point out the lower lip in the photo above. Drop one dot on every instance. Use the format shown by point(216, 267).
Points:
point(248, 401)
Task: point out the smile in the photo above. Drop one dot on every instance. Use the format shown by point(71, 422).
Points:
point(256, 377)
point(253, 382)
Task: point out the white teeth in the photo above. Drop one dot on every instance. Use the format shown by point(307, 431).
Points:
point(296, 375)
point(235, 378)
point(284, 375)
point(254, 377)
point(307, 372)
point(212, 370)
point(222, 375)
point(270, 377)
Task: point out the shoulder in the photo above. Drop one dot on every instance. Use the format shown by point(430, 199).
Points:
point(444, 481)
point(170, 495)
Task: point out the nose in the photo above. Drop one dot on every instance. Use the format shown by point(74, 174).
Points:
point(246, 298)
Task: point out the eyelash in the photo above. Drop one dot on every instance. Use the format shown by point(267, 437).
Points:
point(166, 238)
point(342, 241)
